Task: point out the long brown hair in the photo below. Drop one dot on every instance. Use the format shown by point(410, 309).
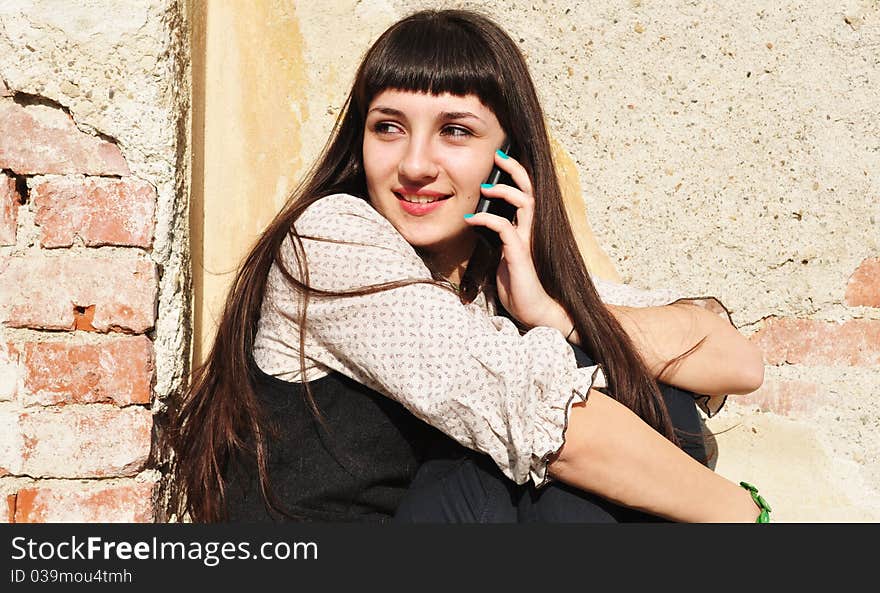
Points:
point(451, 51)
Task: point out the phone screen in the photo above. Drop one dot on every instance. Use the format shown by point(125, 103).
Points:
point(498, 206)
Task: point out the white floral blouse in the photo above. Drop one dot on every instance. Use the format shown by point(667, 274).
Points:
point(459, 367)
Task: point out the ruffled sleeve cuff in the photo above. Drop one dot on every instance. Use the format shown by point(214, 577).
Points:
point(553, 421)
point(613, 293)
point(709, 404)
point(709, 303)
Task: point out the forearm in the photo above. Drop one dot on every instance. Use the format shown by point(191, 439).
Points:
point(611, 452)
point(724, 363)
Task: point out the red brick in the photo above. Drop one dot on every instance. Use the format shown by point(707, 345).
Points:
point(8, 209)
point(46, 292)
point(863, 287)
point(119, 372)
point(9, 372)
point(10, 508)
point(786, 398)
point(85, 502)
point(83, 317)
point(99, 211)
point(820, 343)
point(91, 441)
point(40, 139)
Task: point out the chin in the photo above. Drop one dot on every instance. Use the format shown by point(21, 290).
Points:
point(452, 242)
point(427, 243)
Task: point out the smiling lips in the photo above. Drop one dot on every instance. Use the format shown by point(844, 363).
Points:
point(421, 202)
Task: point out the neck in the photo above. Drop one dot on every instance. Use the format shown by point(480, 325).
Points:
point(451, 270)
point(450, 262)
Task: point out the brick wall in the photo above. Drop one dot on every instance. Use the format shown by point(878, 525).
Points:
point(804, 343)
point(78, 298)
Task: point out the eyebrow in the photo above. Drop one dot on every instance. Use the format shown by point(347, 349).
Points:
point(445, 115)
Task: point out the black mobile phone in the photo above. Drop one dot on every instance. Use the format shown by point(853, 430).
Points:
point(498, 206)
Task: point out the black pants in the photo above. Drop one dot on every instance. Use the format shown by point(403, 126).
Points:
point(469, 488)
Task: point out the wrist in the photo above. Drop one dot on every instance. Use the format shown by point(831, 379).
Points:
point(559, 319)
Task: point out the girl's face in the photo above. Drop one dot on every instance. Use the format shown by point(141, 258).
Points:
point(425, 157)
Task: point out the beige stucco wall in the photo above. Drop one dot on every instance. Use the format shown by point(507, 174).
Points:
point(252, 88)
point(726, 149)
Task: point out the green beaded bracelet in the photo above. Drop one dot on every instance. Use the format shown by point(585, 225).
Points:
point(764, 517)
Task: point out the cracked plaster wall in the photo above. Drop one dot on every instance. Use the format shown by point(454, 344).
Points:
point(119, 69)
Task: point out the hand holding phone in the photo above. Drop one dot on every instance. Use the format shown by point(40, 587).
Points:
point(497, 206)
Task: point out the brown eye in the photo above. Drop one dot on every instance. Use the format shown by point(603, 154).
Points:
point(456, 132)
point(384, 127)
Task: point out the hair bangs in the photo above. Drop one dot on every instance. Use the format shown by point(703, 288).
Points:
point(433, 56)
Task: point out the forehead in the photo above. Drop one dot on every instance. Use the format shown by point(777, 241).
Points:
point(414, 103)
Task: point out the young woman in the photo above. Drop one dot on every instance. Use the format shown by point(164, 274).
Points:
point(370, 329)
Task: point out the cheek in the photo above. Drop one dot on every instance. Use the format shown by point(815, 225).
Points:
point(469, 171)
point(377, 161)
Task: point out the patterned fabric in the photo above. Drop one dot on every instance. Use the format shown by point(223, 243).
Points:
point(459, 367)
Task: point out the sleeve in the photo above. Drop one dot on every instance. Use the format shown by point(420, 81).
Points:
point(625, 295)
point(469, 374)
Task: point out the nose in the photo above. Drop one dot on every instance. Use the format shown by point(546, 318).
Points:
point(418, 163)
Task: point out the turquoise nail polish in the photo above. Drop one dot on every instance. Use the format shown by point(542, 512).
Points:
point(468, 215)
point(487, 185)
point(502, 154)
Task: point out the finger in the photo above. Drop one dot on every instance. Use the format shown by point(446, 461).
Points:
point(524, 203)
point(513, 245)
point(517, 172)
point(508, 194)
